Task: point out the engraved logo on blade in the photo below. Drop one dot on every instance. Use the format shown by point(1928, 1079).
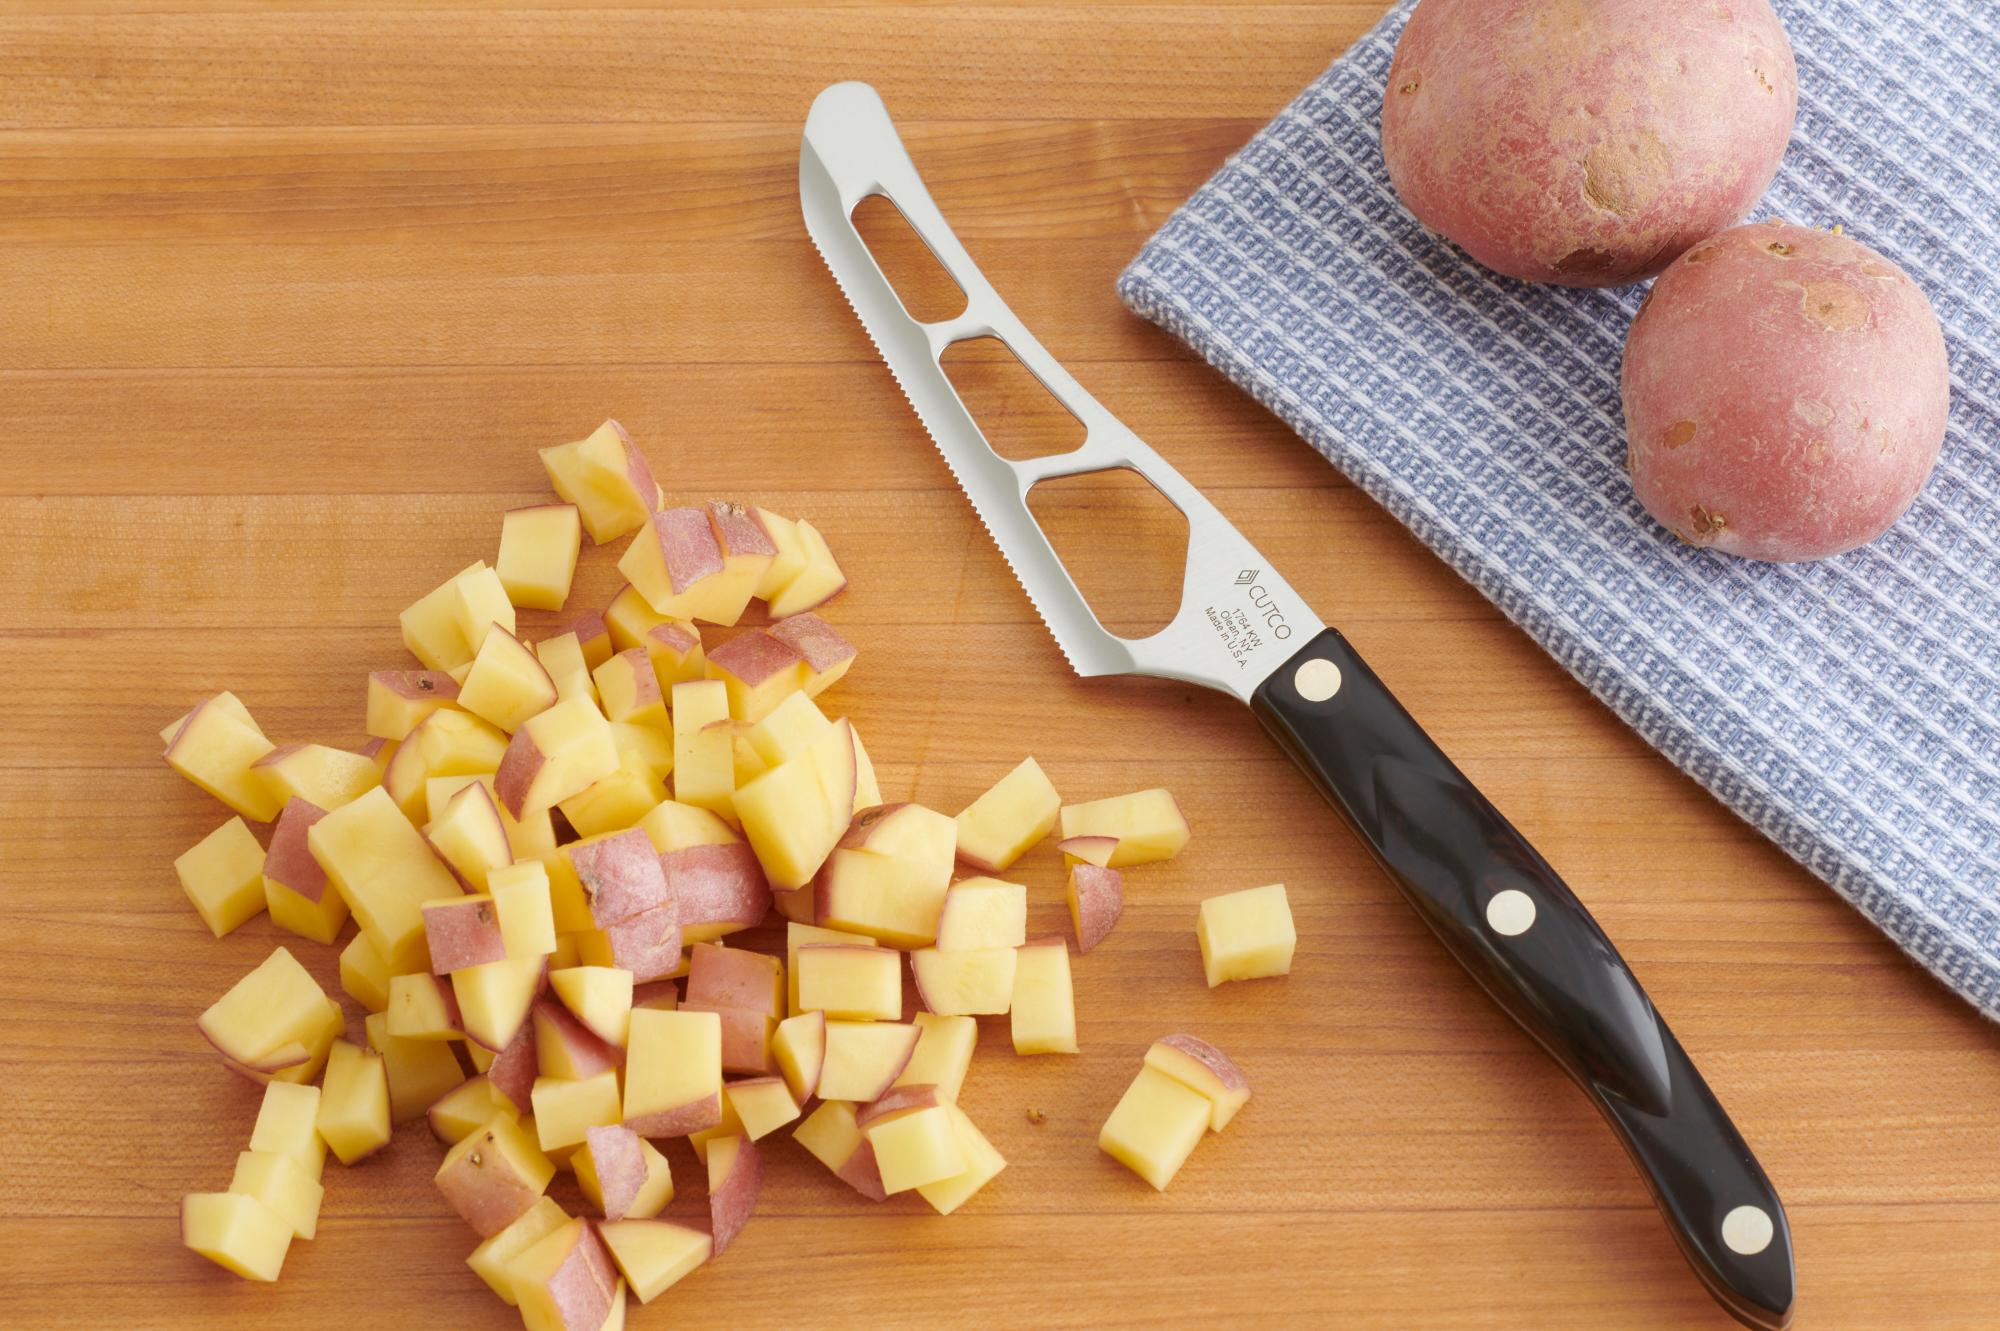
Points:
point(1248, 576)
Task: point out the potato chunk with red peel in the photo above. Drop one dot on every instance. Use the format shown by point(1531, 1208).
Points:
point(564, 1046)
point(489, 1260)
point(799, 1049)
point(319, 773)
point(795, 814)
point(423, 1007)
point(629, 689)
point(269, 1016)
point(507, 683)
point(494, 999)
point(914, 1138)
point(719, 890)
point(566, 1110)
point(223, 876)
point(1096, 899)
point(464, 931)
point(746, 1037)
point(296, 891)
point(982, 1163)
point(735, 1175)
point(675, 562)
point(967, 981)
point(790, 560)
point(889, 875)
point(851, 983)
point(983, 912)
point(818, 580)
point(538, 549)
point(554, 755)
point(1246, 935)
point(733, 977)
point(599, 997)
point(495, 1175)
point(759, 670)
point(565, 1280)
point(830, 1136)
point(943, 1055)
point(606, 476)
point(1201, 1066)
point(997, 828)
point(385, 870)
point(673, 1072)
point(827, 655)
point(448, 742)
point(1156, 1126)
point(1095, 850)
point(216, 748)
point(655, 1254)
point(1148, 826)
point(622, 1175)
point(466, 1108)
point(399, 700)
point(236, 1232)
point(1586, 145)
point(748, 550)
point(864, 1058)
point(647, 944)
point(1044, 1006)
point(353, 1113)
point(1786, 393)
point(762, 1105)
point(513, 1070)
point(620, 874)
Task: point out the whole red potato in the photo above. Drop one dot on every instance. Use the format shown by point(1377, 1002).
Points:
point(1586, 142)
point(1785, 393)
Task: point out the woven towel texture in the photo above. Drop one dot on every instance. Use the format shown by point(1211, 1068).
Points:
point(1848, 709)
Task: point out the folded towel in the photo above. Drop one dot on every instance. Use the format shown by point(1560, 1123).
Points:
point(1848, 709)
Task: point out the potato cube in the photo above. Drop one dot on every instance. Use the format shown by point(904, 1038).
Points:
point(317, 773)
point(826, 653)
point(997, 828)
point(286, 1125)
point(555, 754)
point(629, 689)
point(354, 1103)
point(759, 670)
point(943, 1054)
point(538, 550)
point(216, 748)
point(421, 1072)
point(364, 974)
point(914, 1146)
point(521, 899)
point(399, 700)
point(673, 1072)
point(494, 999)
point(565, 1281)
point(982, 1162)
point(1096, 900)
point(831, 1137)
point(236, 1232)
point(227, 701)
point(675, 562)
point(507, 683)
point(622, 1175)
point(606, 477)
point(1246, 935)
point(566, 1110)
point(423, 1007)
point(655, 1254)
point(615, 801)
point(600, 997)
point(277, 1180)
point(798, 1047)
point(762, 1104)
point(704, 764)
point(864, 1058)
point(296, 891)
point(816, 582)
point(269, 1018)
point(562, 656)
point(850, 982)
point(479, 602)
point(736, 978)
point(735, 1176)
point(465, 1109)
point(463, 932)
point(223, 876)
point(1044, 1006)
point(983, 912)
point(489, 1260)
point(1148, 826)
point(383, 867)
point(1200, 1066)
point(495, 1175)
point(1156, 1126)
point(973, 981)
point(746, 1037)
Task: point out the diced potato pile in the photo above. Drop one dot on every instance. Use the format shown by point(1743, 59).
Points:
point(545, 849)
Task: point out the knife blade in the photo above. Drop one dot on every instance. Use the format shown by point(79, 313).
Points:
point(1491, 899)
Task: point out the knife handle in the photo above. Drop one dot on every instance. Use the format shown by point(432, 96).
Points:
point(1509, 920)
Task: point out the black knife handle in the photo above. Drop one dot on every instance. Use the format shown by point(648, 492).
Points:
point(1504, 914)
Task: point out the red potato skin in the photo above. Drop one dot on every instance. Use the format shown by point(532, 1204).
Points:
point(621, 1167)
point(288, 862)
point(1100, 899)
point(717, 884)
point(1227, 1074)
point(622, 876)
point(731, 1203)
point(1586, 142)
point(1785, 394)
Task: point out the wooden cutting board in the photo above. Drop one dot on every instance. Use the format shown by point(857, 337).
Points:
point(286, 302)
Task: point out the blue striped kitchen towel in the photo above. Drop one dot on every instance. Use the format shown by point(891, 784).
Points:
point(1848, 709)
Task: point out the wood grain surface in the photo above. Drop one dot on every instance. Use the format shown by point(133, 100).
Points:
point(287, 298)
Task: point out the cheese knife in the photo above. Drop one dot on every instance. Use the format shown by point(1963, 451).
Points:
point(1494, 903)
